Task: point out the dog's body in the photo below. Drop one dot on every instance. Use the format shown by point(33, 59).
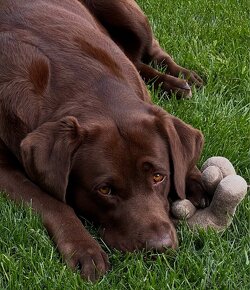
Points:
point(78, 129)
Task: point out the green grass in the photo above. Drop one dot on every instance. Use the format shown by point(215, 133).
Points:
point(213, 38)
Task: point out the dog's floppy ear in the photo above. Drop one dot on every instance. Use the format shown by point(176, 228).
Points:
point(47, 154)
point(185, 144)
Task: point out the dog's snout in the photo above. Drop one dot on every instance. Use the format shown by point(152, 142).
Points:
point(152, 229)
point(160, 243)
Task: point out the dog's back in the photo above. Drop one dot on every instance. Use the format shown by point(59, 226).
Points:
point(69, 36)
point(59, 52)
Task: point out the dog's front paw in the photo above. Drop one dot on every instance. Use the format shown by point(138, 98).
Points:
point(86, 256)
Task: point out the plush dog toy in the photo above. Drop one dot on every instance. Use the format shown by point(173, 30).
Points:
point(226, 189)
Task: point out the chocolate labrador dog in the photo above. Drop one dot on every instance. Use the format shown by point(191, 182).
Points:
point(79, 133)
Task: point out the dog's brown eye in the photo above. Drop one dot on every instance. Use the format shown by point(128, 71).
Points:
point(158, 177)
point(106, 190)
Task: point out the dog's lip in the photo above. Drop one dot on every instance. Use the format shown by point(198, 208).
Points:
point(158, 244)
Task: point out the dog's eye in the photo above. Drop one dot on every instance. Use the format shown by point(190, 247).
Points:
point(158, 178)
point(106, 190)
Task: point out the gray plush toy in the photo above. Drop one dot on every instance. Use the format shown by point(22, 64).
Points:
point(226, 189)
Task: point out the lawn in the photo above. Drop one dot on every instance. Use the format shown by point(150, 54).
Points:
point(212, 38)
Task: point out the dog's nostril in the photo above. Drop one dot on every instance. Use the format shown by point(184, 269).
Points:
point(160, 244)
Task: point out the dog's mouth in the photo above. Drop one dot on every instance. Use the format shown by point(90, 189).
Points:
point(138, 239)
point(141, 223)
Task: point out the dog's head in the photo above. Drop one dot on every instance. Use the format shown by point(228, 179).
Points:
point(119, 174)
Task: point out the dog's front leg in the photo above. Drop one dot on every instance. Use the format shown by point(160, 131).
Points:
point(73, 241)
point(195, 190)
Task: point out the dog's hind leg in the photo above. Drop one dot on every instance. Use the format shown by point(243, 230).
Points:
point(130, 29)
point(157, 54)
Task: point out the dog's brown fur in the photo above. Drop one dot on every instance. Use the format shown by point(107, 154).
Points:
point(79, 133)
